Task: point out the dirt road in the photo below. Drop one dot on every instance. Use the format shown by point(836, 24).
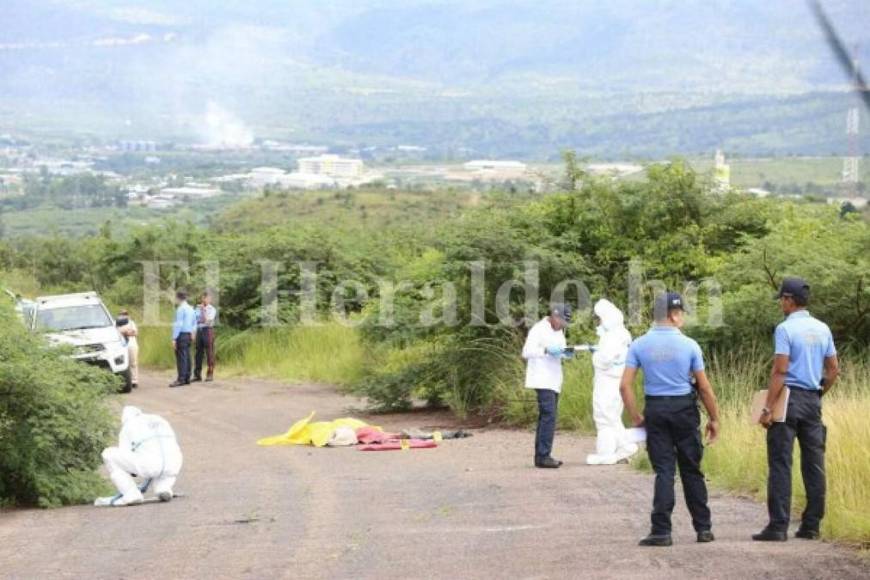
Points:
point(472, 508)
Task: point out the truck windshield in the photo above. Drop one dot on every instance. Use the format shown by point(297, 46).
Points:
point(73, 318)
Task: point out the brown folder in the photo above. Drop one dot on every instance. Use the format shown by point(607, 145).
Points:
point(778, 410)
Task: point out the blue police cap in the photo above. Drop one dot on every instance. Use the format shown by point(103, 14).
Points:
point(562, 311)
point(794, 287)
point(666, 302)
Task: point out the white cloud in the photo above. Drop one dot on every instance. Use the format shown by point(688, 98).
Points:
point(123, 41)
point(139, 15)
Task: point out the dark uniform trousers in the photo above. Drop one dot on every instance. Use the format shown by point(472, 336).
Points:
point(182, 357)
point(804, 420)
point(548, 405)
point(673, 437)
point(204, 349)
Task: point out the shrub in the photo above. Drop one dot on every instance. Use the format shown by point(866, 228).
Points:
point(53, 421)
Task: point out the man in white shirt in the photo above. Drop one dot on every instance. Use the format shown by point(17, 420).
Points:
point(544, 350)
point(206, 315)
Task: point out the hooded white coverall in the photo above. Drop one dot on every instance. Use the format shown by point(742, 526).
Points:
point(147, 448)
point(612, 444)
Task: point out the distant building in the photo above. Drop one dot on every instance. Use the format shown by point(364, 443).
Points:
point(332, 166)
point(298, 149)
point(493, 170)
point(136, 146)
point(197, 192)
point(299, 180)
point(160, 201)
point(263, 176)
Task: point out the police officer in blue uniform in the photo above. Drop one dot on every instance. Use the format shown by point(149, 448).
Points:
point(670, 361)
point(806, 364)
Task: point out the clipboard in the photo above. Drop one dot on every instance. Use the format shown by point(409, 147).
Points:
point(779, 409)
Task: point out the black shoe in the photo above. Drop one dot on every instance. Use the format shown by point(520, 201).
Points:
point(196, 379)
point(548, 463)
point(135, 385)
point(768, 535)
point(656, 540)
point(807, 534)
point(705, 537)
point(177, 384)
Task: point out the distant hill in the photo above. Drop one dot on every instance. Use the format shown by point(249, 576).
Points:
point(509, 77)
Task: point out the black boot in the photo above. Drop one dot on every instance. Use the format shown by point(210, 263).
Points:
point(705, 536)
point(768, 535)
point(656, 540)
point(547, 463)
point(807, 534)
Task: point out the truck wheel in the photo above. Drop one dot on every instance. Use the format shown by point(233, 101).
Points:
point(127, 385)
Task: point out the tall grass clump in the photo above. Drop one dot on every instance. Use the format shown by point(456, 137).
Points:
point(324, 353)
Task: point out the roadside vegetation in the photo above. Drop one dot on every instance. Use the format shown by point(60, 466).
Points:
point(668, 227)
point(53, 421)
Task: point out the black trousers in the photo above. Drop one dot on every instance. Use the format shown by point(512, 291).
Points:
point(804, 421)
point(673, 438)
point(182, 357)
point(548, 409)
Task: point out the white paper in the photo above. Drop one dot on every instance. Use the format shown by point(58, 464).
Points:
point(636, 434)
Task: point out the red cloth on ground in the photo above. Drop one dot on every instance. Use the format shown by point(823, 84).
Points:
point(372, 435)
point(397, 445)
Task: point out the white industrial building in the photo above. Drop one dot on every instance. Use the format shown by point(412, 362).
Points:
point(263, 176)
point(298, 180)
point(332, 166)
point(191, 192)
point(493, 170)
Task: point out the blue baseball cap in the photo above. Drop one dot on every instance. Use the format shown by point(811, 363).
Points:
point(666, 302)
point(562, 311)
point(794, 287)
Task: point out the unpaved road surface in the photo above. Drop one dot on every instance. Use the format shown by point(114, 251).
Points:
point(472, 508)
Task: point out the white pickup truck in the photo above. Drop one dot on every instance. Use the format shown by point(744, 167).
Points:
point(83, 322)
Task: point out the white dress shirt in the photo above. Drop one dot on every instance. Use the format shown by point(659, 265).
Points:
point(542, 370)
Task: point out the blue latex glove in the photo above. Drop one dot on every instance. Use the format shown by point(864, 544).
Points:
point(568, 354)
point(555, 351)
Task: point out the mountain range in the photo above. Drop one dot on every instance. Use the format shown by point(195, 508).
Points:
point(489, 77)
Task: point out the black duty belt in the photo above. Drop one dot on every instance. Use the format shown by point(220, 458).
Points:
point(670, 397)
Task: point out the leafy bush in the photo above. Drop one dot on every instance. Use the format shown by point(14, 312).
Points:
point(53, 421)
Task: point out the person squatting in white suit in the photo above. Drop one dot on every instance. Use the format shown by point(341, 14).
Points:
point(612, 443)
point(147, 448)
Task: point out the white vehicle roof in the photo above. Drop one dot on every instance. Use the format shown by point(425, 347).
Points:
point(66, 300)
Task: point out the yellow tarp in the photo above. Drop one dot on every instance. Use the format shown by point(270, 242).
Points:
point(304, 432)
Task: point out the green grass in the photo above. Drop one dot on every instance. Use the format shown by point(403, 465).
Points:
point(328, 353)
point(754, 172)
point(47, 220)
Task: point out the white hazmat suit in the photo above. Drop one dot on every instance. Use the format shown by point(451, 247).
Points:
point(147, 448)
point(612, 444)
